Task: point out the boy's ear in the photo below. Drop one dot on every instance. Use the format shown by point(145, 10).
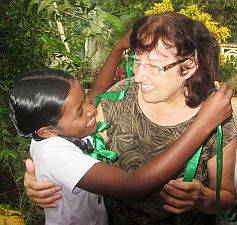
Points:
point(46, 132)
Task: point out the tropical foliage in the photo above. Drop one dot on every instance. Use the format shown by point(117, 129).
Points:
point(75, 35)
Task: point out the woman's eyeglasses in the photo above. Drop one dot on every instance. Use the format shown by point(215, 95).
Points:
point(154, 69)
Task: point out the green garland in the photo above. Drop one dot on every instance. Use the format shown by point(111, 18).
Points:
point(101, 152)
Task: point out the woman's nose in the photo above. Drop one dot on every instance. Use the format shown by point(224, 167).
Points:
point(140, 74)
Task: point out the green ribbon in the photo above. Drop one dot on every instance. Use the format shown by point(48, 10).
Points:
point(101, 152)
point(219, 173)
point(119, 95)
point(191, 169)
point(190, 172)
point(192, 165)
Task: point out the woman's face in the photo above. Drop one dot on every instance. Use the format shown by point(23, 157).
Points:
point(78, 116)
point(159, 86)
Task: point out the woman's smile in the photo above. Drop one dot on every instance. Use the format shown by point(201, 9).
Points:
point(147, 88)
point(91, 122)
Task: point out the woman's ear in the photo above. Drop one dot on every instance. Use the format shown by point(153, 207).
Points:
point(189, 67)
point(46, 132)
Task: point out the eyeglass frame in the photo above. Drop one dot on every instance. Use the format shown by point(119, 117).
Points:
point(166, 67)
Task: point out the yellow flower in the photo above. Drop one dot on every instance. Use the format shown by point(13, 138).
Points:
point(193, 11)
point(158, 8)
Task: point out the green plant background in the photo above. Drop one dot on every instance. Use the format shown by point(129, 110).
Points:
point(29, 39)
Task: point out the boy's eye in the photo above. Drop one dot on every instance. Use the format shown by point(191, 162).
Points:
point(79, 111)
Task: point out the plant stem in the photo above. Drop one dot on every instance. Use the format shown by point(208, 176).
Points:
point(60, 27)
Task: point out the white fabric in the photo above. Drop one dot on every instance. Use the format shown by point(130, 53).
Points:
point(63, 163)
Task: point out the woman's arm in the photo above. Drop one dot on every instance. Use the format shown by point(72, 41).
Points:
point(112, 181)
point(104, 79)
point(227, 185)
point(183, 196)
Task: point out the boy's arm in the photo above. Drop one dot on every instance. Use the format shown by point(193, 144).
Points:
point(103, 80)
point(213, 112)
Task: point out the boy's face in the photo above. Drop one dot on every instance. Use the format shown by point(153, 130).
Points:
point(78, 116)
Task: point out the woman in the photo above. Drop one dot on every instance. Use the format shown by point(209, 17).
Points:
point(177, 61)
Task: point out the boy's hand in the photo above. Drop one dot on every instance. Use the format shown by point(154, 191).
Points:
point(43, 193)
point(124, 42)
point(217, 108)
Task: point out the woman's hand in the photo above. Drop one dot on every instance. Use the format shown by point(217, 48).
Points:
point(217, 108)
point(180, 196)
point(43, 193)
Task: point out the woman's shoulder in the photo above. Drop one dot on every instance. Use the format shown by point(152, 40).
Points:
point(129, 88)
point(113, 110)
point(121, 85)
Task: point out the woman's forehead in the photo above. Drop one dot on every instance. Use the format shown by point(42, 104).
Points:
point(165, 48)
point(161, 51)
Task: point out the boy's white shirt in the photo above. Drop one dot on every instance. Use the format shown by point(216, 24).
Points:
point(63, 163)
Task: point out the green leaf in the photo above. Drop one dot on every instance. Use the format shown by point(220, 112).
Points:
point(20, 176)
point(114, 22)
point(7, 154)
point(50, 10)
point(3, 110)
point(43, 4)
point(32, 3)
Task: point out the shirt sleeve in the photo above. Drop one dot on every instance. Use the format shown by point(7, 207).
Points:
point(67, 164)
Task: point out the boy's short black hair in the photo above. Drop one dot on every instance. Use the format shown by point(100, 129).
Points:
point(37, 98)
